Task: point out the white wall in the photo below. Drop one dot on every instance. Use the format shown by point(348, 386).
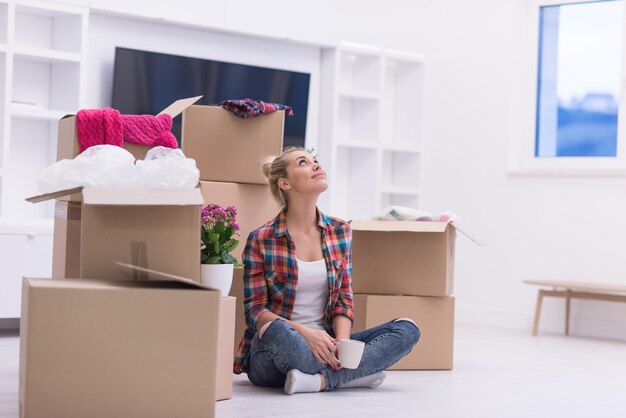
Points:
point(567, 228)
point(541, 227)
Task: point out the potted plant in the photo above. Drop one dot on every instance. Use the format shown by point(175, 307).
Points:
point(217, 232)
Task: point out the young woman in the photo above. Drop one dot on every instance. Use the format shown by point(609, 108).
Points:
point(298, 293)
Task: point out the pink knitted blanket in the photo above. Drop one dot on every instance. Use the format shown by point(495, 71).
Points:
point(108, 126)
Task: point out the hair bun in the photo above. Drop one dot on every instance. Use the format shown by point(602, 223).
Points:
point(267, 165)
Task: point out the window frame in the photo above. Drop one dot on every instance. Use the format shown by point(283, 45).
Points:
point(522, 159)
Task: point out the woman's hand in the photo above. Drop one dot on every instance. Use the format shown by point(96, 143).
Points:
point(322, 346)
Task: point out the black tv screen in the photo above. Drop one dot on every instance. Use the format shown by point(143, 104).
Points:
point(147, 82)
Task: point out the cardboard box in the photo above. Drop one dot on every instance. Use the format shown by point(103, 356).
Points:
point(154, 228)
point(68, 146)
point(254, 202)
point(225, 338)
point(113, 348)
point(66, 240)
point(403, 258)
point(434, 317)
point(228, 148)
point(236, 291)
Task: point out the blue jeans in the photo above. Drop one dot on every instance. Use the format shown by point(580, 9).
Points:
point(282, 348)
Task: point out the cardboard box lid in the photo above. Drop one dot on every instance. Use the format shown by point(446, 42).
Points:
point(410, 226)
point(149, 275)
point(128, 196)
point(179, 106)
point(175, 109)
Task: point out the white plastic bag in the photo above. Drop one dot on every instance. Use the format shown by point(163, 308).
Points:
point(100, 165)
point(112, 166)
point(165, 168)
point(401, 213)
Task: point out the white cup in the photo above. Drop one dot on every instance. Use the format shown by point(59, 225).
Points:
point(350, 353)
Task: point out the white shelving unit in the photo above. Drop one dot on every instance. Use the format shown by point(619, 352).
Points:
point(42, 51)
point(371, 141)
point(42, 70)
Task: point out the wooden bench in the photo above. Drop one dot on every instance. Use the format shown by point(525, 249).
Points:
point(579, 290)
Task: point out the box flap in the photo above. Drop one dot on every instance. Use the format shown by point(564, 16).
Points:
point(412, 226)
point(54, 195)
point(159, 275)
point(399, 226)
point(179, 106)
point(141, 196)
point(463, 230)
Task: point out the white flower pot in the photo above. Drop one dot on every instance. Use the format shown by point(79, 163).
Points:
point(217, 276)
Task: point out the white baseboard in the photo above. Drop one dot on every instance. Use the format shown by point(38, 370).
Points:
point(587, 319)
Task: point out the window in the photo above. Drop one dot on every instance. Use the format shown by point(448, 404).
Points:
point(571, 95)
point(579, 73)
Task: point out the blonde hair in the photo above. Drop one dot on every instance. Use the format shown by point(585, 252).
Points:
point(274, 168)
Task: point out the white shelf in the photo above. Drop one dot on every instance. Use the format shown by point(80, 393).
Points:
point(358, 120)
point(354, 184)
point(35, 113)
point(46, 81)
point(400, 170)
point(402, 104)
point(42, 59)
point(26, 226)
point(400, 190)
point(360, 49)
point(372, 100)
point(401, 148)
point(358, 145)
point(359, 68)
point(406, 200)
point(53, 26)
point(356, 94)
point(4, 22)
point(46, 55)
point(394, 54)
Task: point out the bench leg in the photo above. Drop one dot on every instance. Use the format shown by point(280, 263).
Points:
point(567, 309)
point(538, 311)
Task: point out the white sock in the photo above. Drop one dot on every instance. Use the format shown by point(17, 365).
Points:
point(371, 381)
point(298, 382)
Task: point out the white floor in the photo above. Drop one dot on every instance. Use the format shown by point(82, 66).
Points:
point(498, 373)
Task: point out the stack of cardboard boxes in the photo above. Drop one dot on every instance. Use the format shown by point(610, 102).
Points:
point(229, 153)
point(135, 334)
point(406, 270)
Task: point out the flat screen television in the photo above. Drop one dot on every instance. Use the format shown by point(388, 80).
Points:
point(147, 82)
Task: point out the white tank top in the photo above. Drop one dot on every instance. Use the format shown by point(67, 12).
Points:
point(311, 294)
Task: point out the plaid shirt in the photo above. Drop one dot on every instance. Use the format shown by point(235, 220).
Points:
point(271, 275)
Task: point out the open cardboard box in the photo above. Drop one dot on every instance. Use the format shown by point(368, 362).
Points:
point(228, 148)
point(155, 228)
point(403, 257)
point(114, 347)
point(68, 146)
